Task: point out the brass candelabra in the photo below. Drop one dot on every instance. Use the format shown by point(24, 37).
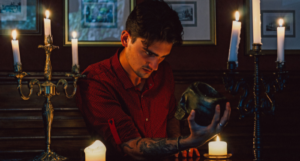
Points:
point(48, 90)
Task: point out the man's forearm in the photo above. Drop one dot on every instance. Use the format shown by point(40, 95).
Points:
point(145, 148)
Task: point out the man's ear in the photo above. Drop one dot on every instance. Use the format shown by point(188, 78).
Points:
point(125, 38)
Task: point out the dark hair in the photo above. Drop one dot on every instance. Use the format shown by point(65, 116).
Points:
point(154, 20)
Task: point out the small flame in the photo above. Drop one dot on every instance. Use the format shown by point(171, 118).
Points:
point(47, 14)
point(280, 21)
point(14, 34)
point(237, 15)
point(218, 139)
point(74, 34)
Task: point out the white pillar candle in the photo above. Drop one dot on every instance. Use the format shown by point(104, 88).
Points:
point(280, 42)
point(95, 152)
point(235, 38)
point(74, 49)
point(217, 147)
point(47, 24)
point(256, 21)
point(15, 48)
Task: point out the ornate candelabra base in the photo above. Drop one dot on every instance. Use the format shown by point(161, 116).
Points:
point(48, 156)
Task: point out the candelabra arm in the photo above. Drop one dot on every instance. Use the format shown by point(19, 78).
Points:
point(65, 84)
point(245, 109)
point(76, 75)
point(20, 75)
point(282, 77)
point(233, 86)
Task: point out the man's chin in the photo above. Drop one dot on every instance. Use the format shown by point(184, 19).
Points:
point(144, 75)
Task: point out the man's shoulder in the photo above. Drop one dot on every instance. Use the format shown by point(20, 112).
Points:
point(98, 69)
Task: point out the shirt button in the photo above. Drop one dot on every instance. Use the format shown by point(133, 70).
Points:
point(146, 119)
point(150, 84)
point(142, 96)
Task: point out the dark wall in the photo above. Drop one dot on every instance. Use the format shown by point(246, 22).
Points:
point(199, 57)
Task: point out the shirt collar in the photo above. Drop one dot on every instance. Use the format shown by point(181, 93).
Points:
point(120, 71)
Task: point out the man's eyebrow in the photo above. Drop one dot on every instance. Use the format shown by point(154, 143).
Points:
point(152, 53)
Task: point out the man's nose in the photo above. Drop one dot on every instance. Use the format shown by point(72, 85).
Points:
point(154, 64)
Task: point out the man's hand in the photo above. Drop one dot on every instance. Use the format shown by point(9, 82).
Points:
point(201, 134)
point(189, 153)
point(146, 148)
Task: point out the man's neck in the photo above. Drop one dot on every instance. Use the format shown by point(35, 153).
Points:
point(136, 80)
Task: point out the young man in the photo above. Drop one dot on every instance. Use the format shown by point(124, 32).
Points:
point(128, 100)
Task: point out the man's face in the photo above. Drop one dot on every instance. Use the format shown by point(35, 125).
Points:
point(143, 60)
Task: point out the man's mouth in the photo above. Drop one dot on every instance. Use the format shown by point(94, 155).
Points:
point(147, 70)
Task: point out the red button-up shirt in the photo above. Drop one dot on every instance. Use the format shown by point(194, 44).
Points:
point(117, 111)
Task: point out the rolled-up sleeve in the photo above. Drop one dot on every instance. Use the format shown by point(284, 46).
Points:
point(98, 106)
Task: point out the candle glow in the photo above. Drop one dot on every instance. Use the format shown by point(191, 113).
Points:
point(217, 147)
point(15, 48)
point(280, 41)
point(235, 39)
point(217, 139)
point(47, 24)
point(74, 49)
point(14, 34)
point(237, 15)
point(95, 152)
point(74, 34)
point(280, 21)
point(47, 14)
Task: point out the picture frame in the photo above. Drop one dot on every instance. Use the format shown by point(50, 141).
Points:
point(97, 23)
point(23, 15)
point(191, 12)
point(269, 22)
point(271, 11)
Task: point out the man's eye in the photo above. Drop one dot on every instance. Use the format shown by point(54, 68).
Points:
point(148, 53)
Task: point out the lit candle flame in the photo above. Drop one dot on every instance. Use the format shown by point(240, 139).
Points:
point(280, 21)
point(237, 15)
point(47, 14)
point(218, 139)
point(74, 34)
point(14, 34)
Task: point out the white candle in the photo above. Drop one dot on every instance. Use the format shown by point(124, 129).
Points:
point(280, 42)
point(235, 38)
point(95, 152)
point(47, 24)
point(217, 147)
point(74, 49)
point(256, 21)
point(15, 48)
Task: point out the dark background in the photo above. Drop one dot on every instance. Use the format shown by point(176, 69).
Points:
point(21, 125)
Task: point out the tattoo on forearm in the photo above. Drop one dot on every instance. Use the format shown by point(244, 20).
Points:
point(157, 147)
point(138, 141)
point(126, 145)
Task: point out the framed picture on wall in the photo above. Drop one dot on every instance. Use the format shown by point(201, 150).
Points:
point(97, 22)
point(269, 21)
point(198, 18)
point(22, 15)
point(271, 12)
